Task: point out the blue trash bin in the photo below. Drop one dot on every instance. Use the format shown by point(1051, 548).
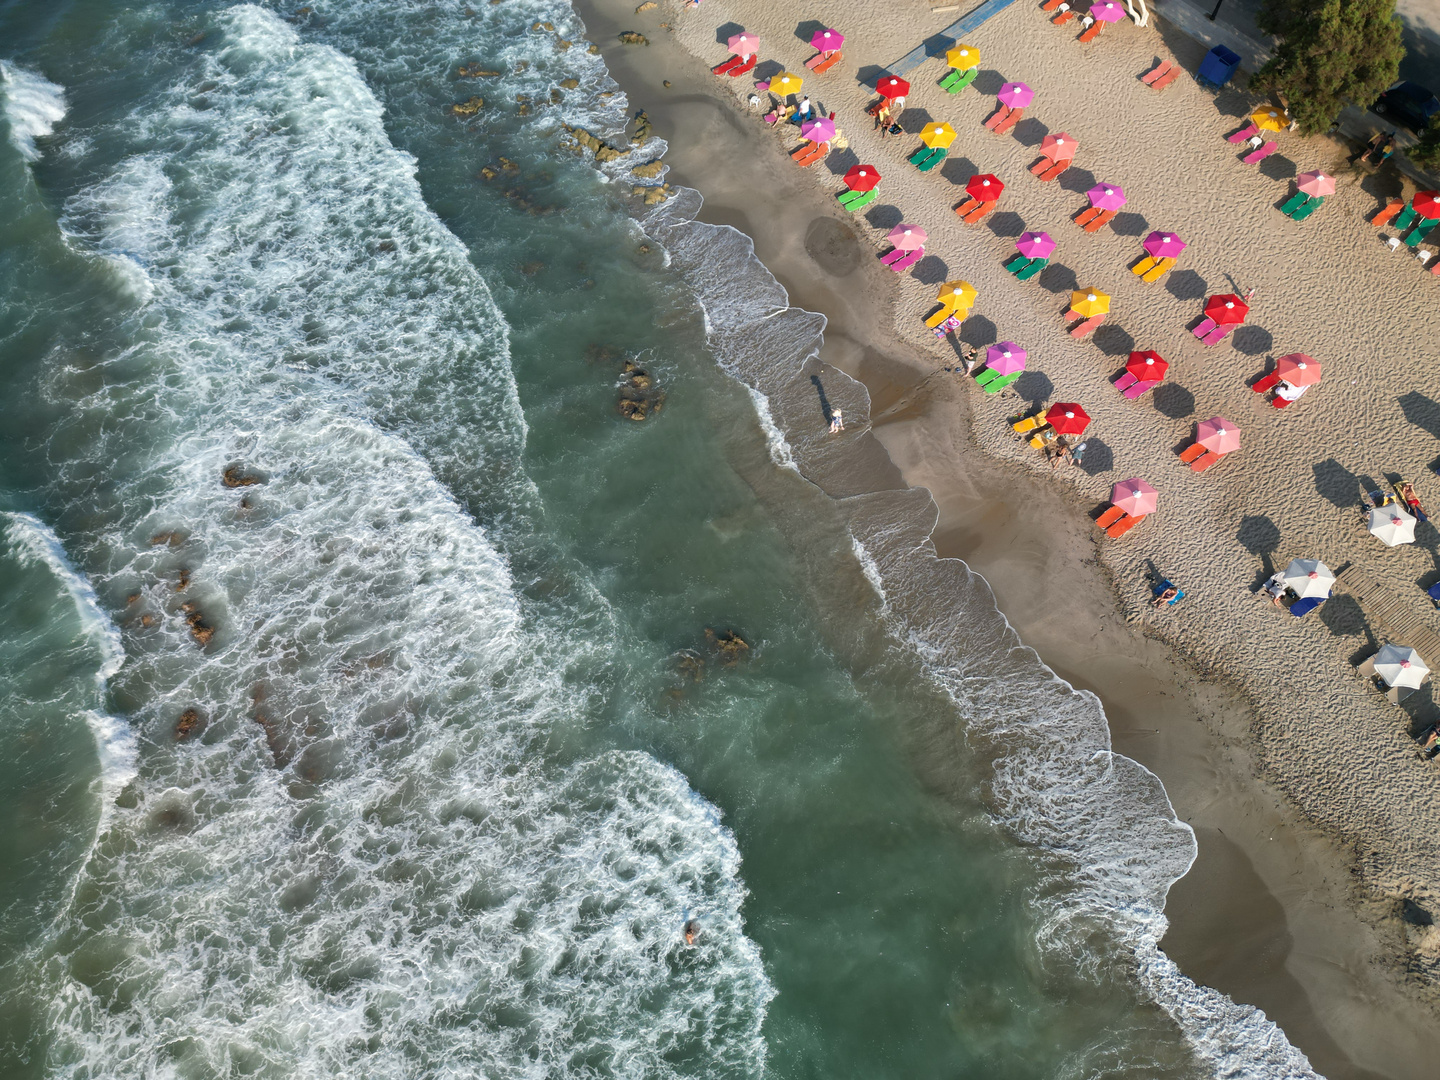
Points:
point(1217, 67)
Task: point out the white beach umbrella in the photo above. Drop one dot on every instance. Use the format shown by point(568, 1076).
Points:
point(1309, 577)
point(1392, 525)
point(1400, 665)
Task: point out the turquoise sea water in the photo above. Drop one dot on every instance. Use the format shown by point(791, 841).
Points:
point(464, 758)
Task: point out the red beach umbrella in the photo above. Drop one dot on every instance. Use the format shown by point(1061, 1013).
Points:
point(1427, 204)
point(862, 177)
point(892, 87)
point(986, 187)
point(1226, 308)
point(1147, 365)
point(1067, 418)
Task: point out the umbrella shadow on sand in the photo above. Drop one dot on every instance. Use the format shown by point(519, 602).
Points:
point(808, 29)
point(1423, 412)
point(1260, 537)
point(1031, 131)
point(725, 31)
point(1035, 387)
point(1098, 457)
point(1336, 484)
point(1059, 278)
point(1278, 167)
point(1113, 340)
point(931, 270)
point(979, 331)
point(1186, 285)
point(958, 169)
point(1006, 224)
point(1343, 617)
point(1077, 180)
point(839, 162)
point(1173, 400)
point(1128, 224)
point(913, 119)
point(1252, 340)
point(988, 82)
point(884, 216)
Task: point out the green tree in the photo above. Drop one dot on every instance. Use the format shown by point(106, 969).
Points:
point(1329, 53)
point(1426, 152)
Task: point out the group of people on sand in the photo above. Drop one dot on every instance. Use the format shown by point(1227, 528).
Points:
point(1404, 495)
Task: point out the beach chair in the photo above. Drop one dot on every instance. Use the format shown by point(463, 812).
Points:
point(1007, 124)
point(1191, 452)
point(1204, 461)
point(825, 65)
point(1217, 335)
point(1052, 5)
point(978, 212)
point(727, 66)
point(986, 377)
point(893, 256)
point(1080, 330)
point(1124, 525)
point(1294, 203)
point(950, 324)
point(865, 199)
point(910, 259)
point(1091, 32)
point(994, 386)
point(920, 155)
point(1160, 69)
point(743, 69)
point(957, 81)
point(966, 206)
point(1065, 14)
point(1388, 212)
point(1089, 214)
point(1403, 222)
point(1045, 435)
point(1266, 383)
point(1124, 380)
point(810, 153)
point(1206, 325)
point(1099, 221)
point(1308, 208)
point(935, 157)
point(1047, 171)
point(940, 316)
point(1109, 517)
point(1280, 402)
point(1036, 265)
point(1420, 231)
point(1018, 263)
point(1141, 386)
point(998, 116)
point(1243, 135)
point(1030, 423)
point(1159, 270)
point(1257, 156)
point(1305, 605)
point(1144, 266)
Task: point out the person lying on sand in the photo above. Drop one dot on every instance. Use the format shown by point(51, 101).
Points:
point(1431, 746)
point(1275, 587)
point(1406, 491)
point(1165, 596)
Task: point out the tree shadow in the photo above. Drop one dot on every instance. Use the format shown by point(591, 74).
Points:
point(1186, 285)
point(1128, 224)
point(1421, 411)
point(1030, 131)
point(1076, 179)
point(1113, 340)
point(1335, 483)
point(931, 270)
point(1278, 167)
point(958, 169)
point(1034, 386)
point(1384, 185)
point(1058, 278)
point(870, 74)
point(1173, 400)
point(979, 331)
point(1006, 223)
point(1098, 457)
point(988, 82)
point(1252, 340)
point(884, 216)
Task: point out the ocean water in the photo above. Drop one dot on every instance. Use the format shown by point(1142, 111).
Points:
point(364, 694)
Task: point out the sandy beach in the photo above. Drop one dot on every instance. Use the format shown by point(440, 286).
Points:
point(1317, 873)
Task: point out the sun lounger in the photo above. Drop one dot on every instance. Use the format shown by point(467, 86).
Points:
point(893, 256)
point(1008, 123)
point(849, 195)
point(966, 206)
point(1156, 72)
point(1144, 266)
point(1269, 382)
point(1159, 270)
point(1142, 386)
point(1280, 402)
point(1092, 31)
point(863, 201)
point(1053, 171)
point(1257, 156)
point(1080, 330)
point(1243, 134)
point(1125, 380)
point(1191, 452)
point(1420, 231)
point(997, 116)
point(1219, 334)
point(1167, 78)
point(1206, 325)
point(1089, 214)
point(1386, 215)
point(1124, 525)
point(810, 153)
point(1407, 216)
point(826, 65)
point(935, 157)
point(940, 316)
point(958, 80)
point(727, 66)
point(1051, 5)
point(1030, 423)
point(744, 69)
point(1109, 517)
point(987, 376)
point(994, 386)
point(920, 155)
point(1305, 605)
point(978, 212)
point(1204, 461)
point(1044, 435)
point(1018, 263)
point(1294, 203)
point(1066, 13)
point(910, 259)
point(1036, 265)
point(1099, 221)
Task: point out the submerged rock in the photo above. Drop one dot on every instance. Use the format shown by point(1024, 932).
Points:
point(630, 37)
point(570, 84)
point(489, 172)
point(603, 151)
point(475, 71)
point(234, 476)
point(730, 645)
point(174, 538)
point(201, 631)
point(648, 171)
point(468, 108)
point(186, 725)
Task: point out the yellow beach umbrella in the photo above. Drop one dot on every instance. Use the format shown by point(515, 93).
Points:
point(941, 134)
point(785, 84)
point(957, 294)
point(963, 57)
point(1270, 118)
point(1090, 302)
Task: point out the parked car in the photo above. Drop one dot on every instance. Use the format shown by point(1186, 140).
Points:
point(1410, 104)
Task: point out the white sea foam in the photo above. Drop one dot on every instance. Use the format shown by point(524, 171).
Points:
point(869, 569)
point(32, 105)
point(775, 440)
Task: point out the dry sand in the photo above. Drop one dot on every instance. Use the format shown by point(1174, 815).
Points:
point(1298, 913)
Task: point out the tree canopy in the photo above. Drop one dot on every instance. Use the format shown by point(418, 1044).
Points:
point(1329, 53)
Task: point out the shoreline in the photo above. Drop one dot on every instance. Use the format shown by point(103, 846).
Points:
point(1309, 959)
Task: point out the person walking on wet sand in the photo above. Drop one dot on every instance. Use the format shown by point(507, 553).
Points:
point(837, 422)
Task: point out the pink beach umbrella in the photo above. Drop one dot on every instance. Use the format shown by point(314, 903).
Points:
point(1006, 358)
point(1016, 94)
point(827, 40)
point(1316, 183)
point(1134, 496)
point(1163, 245)
point(744, 44)
point(1035, 245)
point(908, 237)
point(821, 130)
point(1059, 147)
point(1108, 11)
point(1218, 435)
point(1106, 196)
point(1298, 369)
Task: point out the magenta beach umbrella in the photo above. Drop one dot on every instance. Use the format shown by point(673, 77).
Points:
point(1006, 358)
point(1134, 496)
point(1163, 245)
point(827, 40)
point(1016, 94)
point(1035, 245)
point(908, 237)
point(821, 130)
point(1107, 11)
point(1106, 196)
point(744, 44)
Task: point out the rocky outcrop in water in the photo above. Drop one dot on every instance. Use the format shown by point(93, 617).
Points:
point(236, 476)
point(200, 630)
point(730, 645)
point(648, 171)
point(187, 724)
point(475, 71)
point(467, 108)
point(630, 37)
point(643, 131)
point(603, 151)
point(639, 396)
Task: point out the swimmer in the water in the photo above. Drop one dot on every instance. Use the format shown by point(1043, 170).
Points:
point(692, 931)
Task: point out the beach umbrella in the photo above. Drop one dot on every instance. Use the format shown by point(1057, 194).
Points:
point(1134, 496)
point(1316, 183)
point(1090, 302)
point(1106, 196)
point(785, 84)
point(963, 57)
point(1058, 147)
point(1298, 369)
point(1163, 245)
point(1400, 665)
point(1270, 118)
point(744, 44)
point(1108, 11)
point(1067, 418)
point(1006, 358)
point(1226, 308)
point(1309, 577)
point(1218, 435)
point(892, 87)
point(1147, 365)
point(1035, 245)
point(827, 40)
point(1427, 204)
point(1392, 526)
point(937, 134)
point(957, 294)
point(862, 177)
point(1016, 94)
point(820, 130)
point(908, 237)
point(986, 187)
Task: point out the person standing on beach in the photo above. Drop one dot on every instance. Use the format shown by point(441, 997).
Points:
point(837, 422)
